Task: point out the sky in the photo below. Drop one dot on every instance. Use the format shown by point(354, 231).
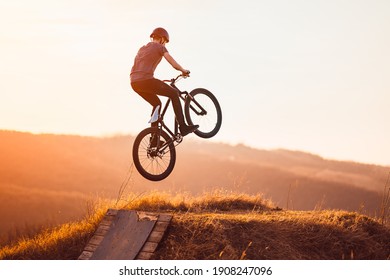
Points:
point(300, 75)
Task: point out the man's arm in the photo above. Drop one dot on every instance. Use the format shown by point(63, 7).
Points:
point(174, 64)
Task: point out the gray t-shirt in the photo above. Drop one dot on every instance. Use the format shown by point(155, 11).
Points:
point(146, 61)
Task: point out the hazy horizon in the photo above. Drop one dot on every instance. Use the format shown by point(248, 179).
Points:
point(199, 141)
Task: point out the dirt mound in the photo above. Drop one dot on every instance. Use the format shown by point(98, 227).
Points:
point(275, 235)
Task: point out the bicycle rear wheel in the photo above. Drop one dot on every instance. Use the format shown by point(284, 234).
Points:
point(203, 109)
point(154, 154)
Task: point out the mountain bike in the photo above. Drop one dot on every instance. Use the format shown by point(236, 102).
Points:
point(154, 153)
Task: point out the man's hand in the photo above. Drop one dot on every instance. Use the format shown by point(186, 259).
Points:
point(186, 73)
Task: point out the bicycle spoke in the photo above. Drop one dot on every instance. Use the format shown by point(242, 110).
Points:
point(153, 161)
point(207, 122)
point(203, 109)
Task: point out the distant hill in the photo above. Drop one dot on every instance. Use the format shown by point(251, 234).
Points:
point(292, 179)
point(49, 179)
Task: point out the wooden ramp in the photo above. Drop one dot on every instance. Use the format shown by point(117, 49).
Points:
point(126, 235)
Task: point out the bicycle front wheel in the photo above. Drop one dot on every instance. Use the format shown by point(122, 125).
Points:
point(154, 154)
point(202, 108)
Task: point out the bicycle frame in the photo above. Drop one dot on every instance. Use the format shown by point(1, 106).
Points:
point(161, 121)
point(175, 135)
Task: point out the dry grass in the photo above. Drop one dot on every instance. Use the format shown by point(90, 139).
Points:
point(224, 225)
point(61, 243)
point(384, 211)
point(322, 235)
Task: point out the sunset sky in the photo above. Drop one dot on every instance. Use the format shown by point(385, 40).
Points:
point(302, 75)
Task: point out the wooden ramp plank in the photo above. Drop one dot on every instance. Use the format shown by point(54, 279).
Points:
point(155, 237)
point(126, 235)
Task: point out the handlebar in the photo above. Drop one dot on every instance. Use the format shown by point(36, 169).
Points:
point(174, 80)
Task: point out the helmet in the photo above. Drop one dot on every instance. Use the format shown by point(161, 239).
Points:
point(160, 32)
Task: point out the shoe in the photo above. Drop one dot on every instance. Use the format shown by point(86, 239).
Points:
point(154, 140)
point(187, 129)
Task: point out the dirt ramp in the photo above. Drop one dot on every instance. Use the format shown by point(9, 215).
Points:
point(126, 235)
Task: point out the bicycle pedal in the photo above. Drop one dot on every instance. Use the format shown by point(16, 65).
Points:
point(179, 138)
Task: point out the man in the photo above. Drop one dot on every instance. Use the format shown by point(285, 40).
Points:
point(143, 81)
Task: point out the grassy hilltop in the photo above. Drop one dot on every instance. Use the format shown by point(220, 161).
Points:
point(225, 225)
